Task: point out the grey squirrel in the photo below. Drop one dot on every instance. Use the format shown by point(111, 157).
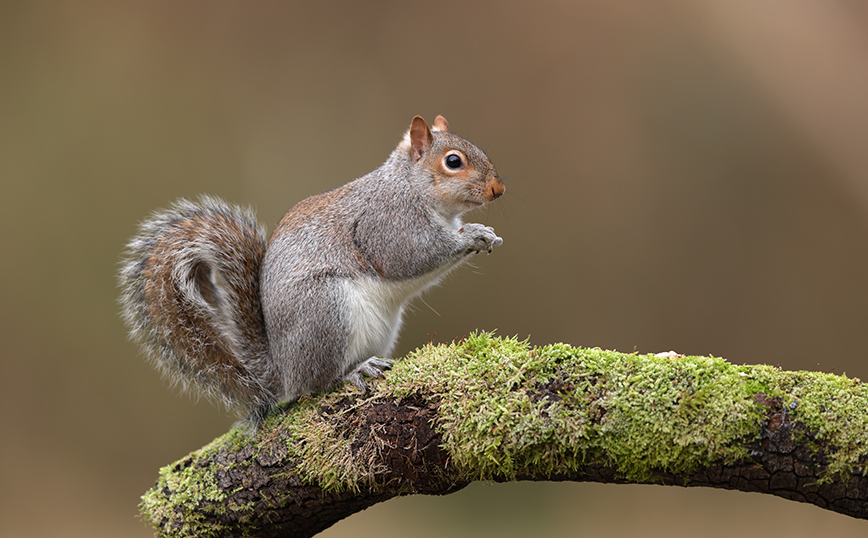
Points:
point(252, 324)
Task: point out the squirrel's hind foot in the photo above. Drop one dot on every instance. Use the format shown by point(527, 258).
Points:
point(373, 367)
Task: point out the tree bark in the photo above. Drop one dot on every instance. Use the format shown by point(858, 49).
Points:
point(325, 458)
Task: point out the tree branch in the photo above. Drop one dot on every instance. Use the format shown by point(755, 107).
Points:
point(497, 409)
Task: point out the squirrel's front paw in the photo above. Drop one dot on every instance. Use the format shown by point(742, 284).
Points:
point(481, 238)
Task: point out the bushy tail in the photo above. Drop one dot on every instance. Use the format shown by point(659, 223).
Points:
point(190, 298)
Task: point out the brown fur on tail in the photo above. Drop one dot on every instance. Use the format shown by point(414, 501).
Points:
point(190, 298)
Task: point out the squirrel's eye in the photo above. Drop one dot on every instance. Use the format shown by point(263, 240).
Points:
point(453, 161)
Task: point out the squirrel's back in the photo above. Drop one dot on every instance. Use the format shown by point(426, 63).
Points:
point(190, 296)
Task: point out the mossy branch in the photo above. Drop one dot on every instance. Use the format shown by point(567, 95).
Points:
point(497, 409)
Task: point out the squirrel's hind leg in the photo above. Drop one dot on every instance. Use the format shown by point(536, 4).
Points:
point(373, 367)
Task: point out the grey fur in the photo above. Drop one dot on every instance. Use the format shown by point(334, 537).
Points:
point(334, 280)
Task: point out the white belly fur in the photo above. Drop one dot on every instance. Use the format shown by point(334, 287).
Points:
point(376, 307)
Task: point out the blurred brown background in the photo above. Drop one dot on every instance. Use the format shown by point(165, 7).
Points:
point(688, 175)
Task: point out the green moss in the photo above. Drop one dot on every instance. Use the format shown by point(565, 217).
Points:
point(640, 414)
point(507, 408)
point(833, 407)
point(183, 484)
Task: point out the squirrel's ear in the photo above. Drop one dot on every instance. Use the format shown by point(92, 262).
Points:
point(440, 124)
point(420, 138)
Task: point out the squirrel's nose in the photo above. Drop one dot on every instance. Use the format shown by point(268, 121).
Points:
point(496, 188)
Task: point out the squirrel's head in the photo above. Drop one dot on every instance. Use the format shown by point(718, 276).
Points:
point(460, 173)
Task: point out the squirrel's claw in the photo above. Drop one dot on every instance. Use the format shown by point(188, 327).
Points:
point(373, 367)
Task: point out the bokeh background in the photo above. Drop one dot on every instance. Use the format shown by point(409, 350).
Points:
point(687, 175)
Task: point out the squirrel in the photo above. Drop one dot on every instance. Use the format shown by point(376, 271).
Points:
point(252, 324)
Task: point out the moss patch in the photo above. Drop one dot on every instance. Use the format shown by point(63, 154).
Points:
point(182, 484)
point(833, 407)
point(509, 409)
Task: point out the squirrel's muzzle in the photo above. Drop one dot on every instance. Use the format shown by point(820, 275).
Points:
point(494, 188)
